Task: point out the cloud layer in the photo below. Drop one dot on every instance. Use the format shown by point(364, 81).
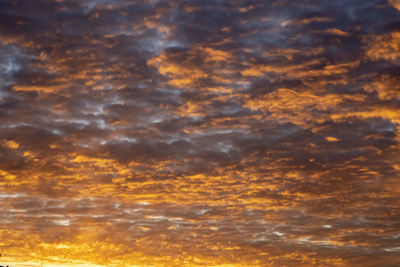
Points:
point(200, 133)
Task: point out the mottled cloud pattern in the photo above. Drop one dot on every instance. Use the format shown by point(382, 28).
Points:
point(200, 133)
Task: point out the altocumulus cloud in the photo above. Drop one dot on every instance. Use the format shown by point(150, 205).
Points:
point(200, 133)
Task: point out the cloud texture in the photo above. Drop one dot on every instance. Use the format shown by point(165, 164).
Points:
point(200, 133)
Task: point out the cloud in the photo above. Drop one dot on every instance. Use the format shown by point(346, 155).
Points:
point(395, 4)
point(205, 133)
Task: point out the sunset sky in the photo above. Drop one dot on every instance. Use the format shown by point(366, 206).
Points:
point(200, 133)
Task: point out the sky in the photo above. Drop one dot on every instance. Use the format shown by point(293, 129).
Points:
point(200, 133)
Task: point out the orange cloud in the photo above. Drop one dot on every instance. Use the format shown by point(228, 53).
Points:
point(395, 3)
point(384, 46)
